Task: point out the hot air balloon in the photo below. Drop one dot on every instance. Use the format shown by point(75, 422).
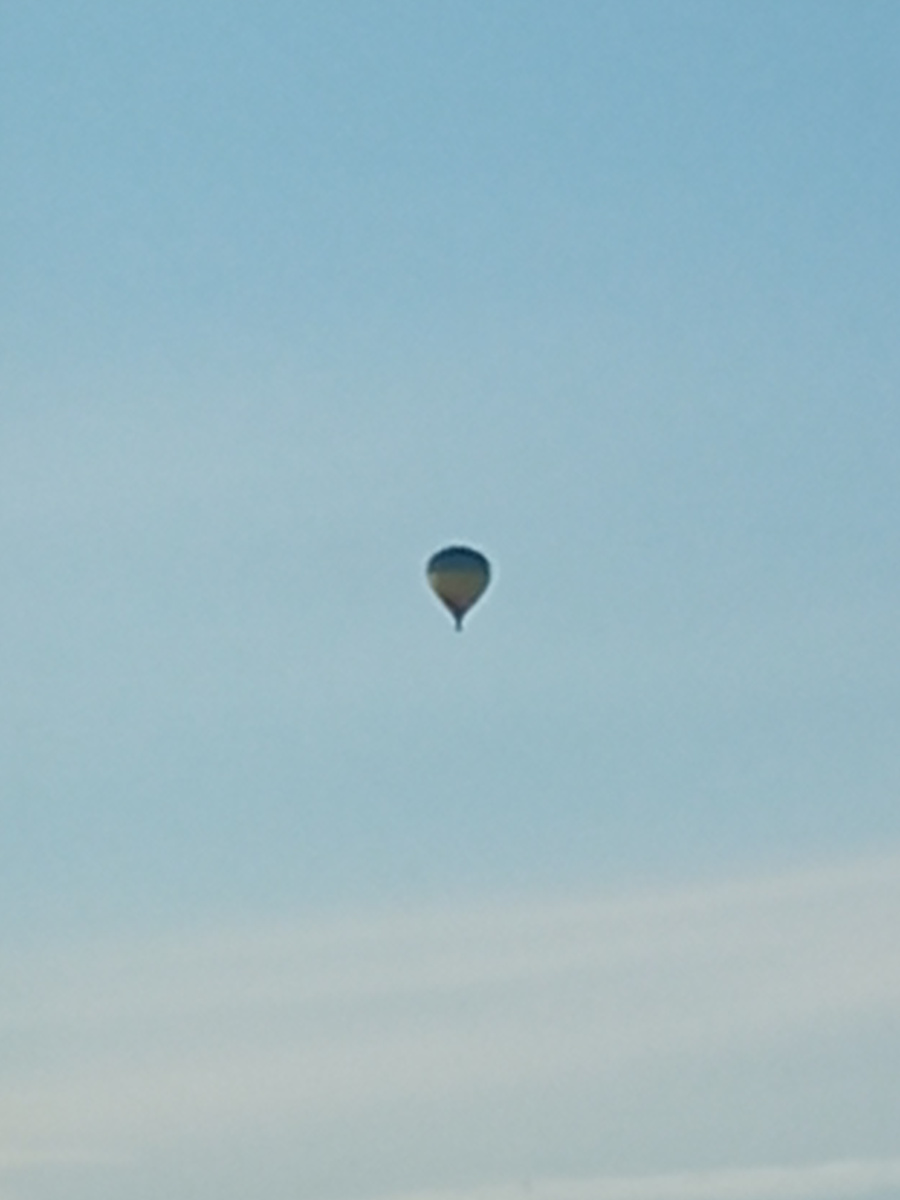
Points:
point(458, 577)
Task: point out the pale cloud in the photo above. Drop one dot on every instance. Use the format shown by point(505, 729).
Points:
point(823, 1181)
point(122, 1050)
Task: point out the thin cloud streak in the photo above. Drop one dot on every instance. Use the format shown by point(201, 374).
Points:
point(823, 1181)
point(122, 1049)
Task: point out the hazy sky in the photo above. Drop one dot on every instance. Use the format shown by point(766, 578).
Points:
point(304, 896)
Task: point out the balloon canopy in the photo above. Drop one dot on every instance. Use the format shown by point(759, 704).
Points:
point(458, 577)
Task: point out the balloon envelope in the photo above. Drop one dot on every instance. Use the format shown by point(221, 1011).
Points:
point(458, 577)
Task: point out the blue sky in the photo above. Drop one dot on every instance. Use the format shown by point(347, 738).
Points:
point(295, 294)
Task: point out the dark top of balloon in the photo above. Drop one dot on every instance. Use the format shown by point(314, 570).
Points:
point(458, 556)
